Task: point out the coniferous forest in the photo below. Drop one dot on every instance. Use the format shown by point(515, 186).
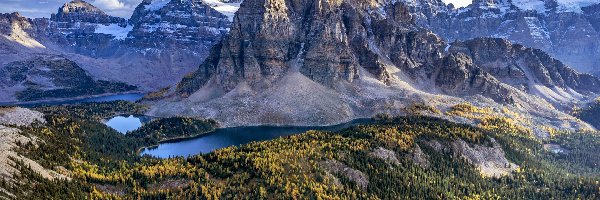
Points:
point(412, 157)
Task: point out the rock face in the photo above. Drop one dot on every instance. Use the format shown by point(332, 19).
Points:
point(81, 28)
point(322, 62)
point(81, 11)
point(179, 25)
point(334, 167)
point(490, 161)
point(163, 40)
point(567, 30)
point(329, 50)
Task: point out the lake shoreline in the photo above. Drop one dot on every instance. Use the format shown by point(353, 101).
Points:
point(223, 131)
point(172, 140)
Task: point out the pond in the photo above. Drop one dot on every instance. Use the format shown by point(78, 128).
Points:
point(126, 123)
point(227, 137)
point(98, 99)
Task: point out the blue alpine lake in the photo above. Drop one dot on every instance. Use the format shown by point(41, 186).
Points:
point(126, 123)
point(236, 136)
point(220, 138)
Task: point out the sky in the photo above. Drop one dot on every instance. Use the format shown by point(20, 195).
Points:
point(119, 8)
point(43, 8)
point(458, 3)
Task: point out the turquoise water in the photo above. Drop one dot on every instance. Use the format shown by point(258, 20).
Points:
point(226, 137)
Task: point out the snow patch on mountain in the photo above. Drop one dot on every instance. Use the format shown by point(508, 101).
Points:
point(536, 29)
point(115, 30)
point(563, 5)
point(575, 5)
point(227, 9)
point(156, 5)
point(535, 5)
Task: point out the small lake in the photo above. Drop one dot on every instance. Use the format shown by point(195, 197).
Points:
point(126, 123)
point(227, 137)
point(108, 98)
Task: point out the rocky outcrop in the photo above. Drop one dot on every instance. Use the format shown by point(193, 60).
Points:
point(490, 161)
point(12, 138)
point(17, 116)
point(386, 155)
point(457, 74)
point(334, 167)
point(419, 157)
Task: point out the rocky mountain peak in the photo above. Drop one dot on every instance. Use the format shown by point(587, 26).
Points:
point(327, 61)
point(189, 22)
point(81, 11)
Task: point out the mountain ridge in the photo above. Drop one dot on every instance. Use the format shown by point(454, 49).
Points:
point(567, 30)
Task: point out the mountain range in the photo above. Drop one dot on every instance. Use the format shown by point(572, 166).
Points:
point(426, 101)
point(156, 47)
point(568, 30)
point(323, 62)
point(308, 62)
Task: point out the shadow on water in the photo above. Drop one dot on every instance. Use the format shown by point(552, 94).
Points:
point(235, 136)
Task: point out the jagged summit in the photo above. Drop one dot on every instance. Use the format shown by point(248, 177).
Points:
point(81, 11)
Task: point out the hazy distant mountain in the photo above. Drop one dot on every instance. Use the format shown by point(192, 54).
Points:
point(568, 30)
point(163, 41)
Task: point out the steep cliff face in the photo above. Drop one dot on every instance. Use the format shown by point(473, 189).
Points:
point(321, 62)
point(566, 29)
point(326, 42)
